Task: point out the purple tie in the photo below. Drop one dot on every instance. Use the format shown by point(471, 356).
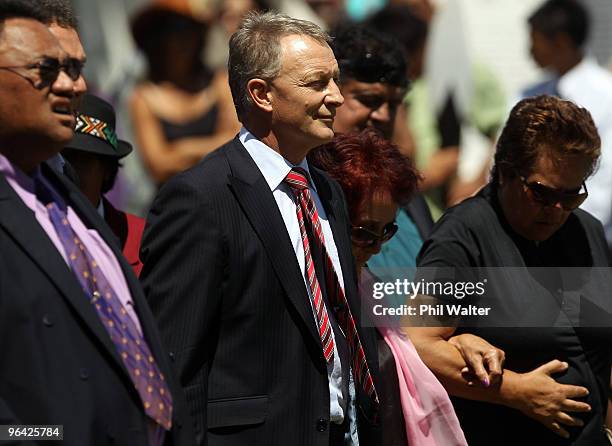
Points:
point(130, 344)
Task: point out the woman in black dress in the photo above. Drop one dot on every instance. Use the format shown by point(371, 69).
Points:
point(555, 384)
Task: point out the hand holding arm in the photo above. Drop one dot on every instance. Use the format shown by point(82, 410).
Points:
point(534, 393)
point(483, 360)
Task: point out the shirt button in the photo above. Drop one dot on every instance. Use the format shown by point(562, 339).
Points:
point(84, 374)
point(322, 424)
point(47, 320)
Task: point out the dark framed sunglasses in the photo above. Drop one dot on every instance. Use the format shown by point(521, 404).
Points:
point(47, 71)
point(365, 237)
point(549, 196)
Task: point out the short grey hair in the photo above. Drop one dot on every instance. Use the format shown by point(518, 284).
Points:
point(255, 51)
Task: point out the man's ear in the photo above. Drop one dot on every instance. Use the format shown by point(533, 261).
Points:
point(259, 92)
point(563, 42)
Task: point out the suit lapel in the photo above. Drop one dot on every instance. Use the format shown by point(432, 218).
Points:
point(90, 217)
point(258, 203)
point(19, 221)
point(335, 215)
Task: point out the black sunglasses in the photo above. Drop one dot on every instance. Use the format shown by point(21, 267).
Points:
point(48, 70)
point(365, 237)
point(549, 196)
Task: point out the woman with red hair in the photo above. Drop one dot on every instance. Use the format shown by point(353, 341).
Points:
point(376, 179)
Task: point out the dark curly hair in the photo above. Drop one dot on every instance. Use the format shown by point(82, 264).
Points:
point(367, 55)
point(60, 12)
point(544, 125)
point(29, 9)
point(365, 163)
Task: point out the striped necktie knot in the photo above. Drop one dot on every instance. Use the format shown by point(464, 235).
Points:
point(297, 178)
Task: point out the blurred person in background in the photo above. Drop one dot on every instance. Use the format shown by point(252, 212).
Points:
point(437, 135)
point(373, 81)
point(559, 34)
point(526, 225)
point(63, 24)
point(331, 12)
point(231, 13)
point(95, 153)
point(183, 110)
point(377, 180)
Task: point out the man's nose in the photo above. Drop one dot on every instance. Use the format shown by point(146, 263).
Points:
point(64, 84)
point(335, 97)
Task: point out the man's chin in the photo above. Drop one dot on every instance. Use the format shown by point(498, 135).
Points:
point(326, 134)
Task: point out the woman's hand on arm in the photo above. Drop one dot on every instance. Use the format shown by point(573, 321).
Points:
point(483, 360)
point(534, 393)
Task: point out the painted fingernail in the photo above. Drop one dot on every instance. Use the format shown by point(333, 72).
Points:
point(486, 382)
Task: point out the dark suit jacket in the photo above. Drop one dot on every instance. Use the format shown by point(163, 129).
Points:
point(57, 362)
point(222, 279)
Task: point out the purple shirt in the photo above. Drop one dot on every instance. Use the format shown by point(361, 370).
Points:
point(97, 247)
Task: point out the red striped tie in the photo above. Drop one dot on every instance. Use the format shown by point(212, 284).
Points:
point(298, 182)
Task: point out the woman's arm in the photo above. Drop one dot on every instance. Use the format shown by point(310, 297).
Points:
point(534, 393)
point(163, 158)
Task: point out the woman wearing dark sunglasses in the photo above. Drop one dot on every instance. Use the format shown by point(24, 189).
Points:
point(556, 379)
point(377, 179)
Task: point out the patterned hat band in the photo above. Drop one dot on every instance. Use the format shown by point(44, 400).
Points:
point(96, 128)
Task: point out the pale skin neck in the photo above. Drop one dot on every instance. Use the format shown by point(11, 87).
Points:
point(290, 150)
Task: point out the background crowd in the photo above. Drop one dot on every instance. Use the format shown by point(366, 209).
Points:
point(327, 159)
point(469, 63)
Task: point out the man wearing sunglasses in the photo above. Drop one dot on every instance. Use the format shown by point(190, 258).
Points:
point(79, 345)
point(62, 23)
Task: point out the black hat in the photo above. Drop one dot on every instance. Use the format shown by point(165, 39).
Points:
point(95, 129)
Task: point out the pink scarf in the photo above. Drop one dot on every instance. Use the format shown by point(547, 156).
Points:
point(428, 412)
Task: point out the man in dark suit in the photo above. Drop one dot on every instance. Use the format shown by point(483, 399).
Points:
point(79, 345)
point(248, 266)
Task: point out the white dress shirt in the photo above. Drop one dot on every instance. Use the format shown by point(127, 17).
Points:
point(275, 168)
